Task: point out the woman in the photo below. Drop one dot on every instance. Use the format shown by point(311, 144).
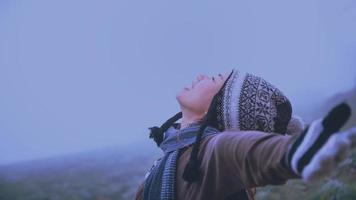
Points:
point(232, 139)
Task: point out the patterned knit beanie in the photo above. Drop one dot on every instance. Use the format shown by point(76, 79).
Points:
point(248, 102)
point(244, 102)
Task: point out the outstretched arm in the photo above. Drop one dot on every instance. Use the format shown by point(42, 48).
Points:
point(247, 159)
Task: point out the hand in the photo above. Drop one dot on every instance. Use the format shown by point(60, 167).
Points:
point(321, 146)
point(330, 155)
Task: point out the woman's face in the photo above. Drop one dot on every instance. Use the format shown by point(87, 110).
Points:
point(197, 97)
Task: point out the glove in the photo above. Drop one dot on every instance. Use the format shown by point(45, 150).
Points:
point(320, 147)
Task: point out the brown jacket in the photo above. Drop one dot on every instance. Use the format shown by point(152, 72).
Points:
point(231, 161)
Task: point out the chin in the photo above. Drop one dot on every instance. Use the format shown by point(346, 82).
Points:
point(181, 95)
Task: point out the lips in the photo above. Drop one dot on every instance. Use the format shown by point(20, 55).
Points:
point(192, 85)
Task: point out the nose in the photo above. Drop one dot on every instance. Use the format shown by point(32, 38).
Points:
point(201, 77)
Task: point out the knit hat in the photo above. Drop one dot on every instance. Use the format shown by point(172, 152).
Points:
point(249, 102)
point(244, 102)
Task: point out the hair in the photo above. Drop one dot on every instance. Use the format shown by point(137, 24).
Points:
point(191, 172)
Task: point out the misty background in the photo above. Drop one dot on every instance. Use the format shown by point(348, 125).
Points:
point(82, 75)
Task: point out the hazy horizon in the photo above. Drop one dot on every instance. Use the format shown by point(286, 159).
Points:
point(83, 75)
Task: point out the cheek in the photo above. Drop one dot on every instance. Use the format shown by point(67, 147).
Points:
point(197, 100)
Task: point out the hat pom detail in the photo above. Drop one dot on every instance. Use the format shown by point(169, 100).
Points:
point(156, 134)
point(295, 125)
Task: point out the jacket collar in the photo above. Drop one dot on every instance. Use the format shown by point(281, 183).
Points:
point(175, 139)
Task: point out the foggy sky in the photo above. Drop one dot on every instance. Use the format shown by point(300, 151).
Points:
point(85, 74)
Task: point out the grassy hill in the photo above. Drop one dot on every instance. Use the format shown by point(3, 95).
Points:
point(340, 186)
point(98, 175)
point(92, 177)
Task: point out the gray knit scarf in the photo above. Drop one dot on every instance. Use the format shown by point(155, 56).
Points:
point(160, 181)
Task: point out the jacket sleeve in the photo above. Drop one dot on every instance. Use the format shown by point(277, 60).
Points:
point(249, 159)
